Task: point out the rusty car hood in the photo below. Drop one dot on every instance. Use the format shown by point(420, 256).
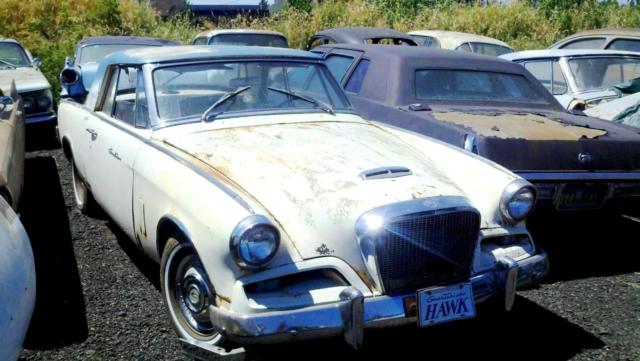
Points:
point(307, 175)
point(26, 78)
point(527, 140)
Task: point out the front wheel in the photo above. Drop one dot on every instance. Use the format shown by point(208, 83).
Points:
point(187, 292)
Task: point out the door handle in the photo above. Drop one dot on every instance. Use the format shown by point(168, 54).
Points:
point(93, 133)
point(114, 154)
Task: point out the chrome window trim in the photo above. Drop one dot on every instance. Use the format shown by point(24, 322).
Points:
point(534, 176)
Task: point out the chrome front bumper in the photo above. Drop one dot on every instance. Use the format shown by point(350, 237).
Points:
point(39, 118)
point(353, 313)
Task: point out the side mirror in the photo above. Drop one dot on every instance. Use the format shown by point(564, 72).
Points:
point(37, 62)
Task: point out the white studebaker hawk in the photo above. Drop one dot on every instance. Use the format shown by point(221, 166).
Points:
point(276, 212)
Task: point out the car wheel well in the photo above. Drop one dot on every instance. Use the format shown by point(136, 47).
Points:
point(167, 228)
point(66, 149)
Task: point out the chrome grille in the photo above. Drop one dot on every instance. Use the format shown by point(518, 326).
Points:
point(425, 249)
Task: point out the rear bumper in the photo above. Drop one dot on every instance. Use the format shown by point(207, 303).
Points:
point(353, 313)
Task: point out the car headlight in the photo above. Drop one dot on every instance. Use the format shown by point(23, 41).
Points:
point(254, 242)
point(517, 200)
point(38, 101)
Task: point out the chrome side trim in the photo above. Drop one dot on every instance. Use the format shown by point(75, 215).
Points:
point(534, 176)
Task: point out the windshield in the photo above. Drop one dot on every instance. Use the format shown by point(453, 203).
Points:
point(275, 41)
point(13, 54)
point(490, 49)
point(95, 53)
point(187, 91)
point(603, 72)
point(468, 85)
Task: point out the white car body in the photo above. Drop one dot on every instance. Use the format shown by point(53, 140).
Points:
point(573, 96)
point(17, 283)
point(300, 170)
point(453, 40)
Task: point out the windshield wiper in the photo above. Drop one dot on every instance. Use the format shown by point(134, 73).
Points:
point(320, 104)
point(223, 99)
point(8, 64)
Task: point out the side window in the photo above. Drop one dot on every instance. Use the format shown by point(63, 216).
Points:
point(357, 77)
point(338, 65)
point(200, 41)
point(625, 44)
point(549, 73)
point(319, 41)
point(465, 47)
point(589, 43)
point(126, 99)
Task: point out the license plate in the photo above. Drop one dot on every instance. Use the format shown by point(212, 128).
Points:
point(582, 196)
point(444, 304)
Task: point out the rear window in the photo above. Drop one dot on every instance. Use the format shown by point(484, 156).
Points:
point(275, 41)
point(470, 85)
point(625, 44)
point(490, 49)
point(589, 43)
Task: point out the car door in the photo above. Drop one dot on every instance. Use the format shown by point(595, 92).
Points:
point(120, 129)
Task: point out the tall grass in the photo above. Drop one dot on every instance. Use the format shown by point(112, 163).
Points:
point(51, 28)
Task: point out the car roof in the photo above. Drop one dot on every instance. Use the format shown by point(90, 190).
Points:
point(361, 34)
point(8, 40)
point(606, 31)
point(453, 39)
point(135, 40)
point(419, 56)
point(202, 52)
point(556, 53)
point(214, 32)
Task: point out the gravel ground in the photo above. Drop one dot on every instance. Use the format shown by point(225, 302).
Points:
point(99, 298)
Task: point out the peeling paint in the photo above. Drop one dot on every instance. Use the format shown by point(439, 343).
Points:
point(323, 250)
point(525, 126)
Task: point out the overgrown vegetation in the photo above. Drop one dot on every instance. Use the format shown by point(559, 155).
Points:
point(51, 28)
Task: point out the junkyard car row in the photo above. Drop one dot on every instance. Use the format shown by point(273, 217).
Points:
point(290, 195)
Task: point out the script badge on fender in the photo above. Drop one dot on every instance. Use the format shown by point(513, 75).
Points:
point(444, 304)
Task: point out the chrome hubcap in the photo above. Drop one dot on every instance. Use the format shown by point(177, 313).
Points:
point(193, 296)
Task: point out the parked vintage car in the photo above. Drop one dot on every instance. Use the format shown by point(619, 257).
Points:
point(625, 110)
point(12, 137)
point(17, 65)
point(246, 37)
point(17, 283)
point(580, 79)
point(88, 54)
point(453, 40)
point(611, 39)
point(276, 212)
point(360, 35)
point(500, 111)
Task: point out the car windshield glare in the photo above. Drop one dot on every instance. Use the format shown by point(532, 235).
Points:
point(12, 54)
point(603, 72)
point(95, 53)
point(187, 91)
point(471, 85)
point(275, 41)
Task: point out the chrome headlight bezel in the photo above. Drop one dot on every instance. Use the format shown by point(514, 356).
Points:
point(512, 190)
point(242, 230)
point(32, 97)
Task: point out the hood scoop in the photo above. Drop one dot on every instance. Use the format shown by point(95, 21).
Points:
point(385, 172)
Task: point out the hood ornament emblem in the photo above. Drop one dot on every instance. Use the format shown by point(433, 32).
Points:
point(585, 159)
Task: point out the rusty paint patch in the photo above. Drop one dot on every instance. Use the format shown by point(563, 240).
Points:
point(323, 250)
point(526, 126)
